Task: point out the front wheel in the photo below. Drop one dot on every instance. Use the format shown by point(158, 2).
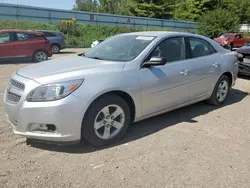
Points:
point(220, 92)
point(106, 120)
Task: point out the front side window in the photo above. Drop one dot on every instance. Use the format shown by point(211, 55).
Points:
point(120, 48)
point(24, 36)
point(238, 36)
point(198, 48)
point(5, 37)
point(171, 49)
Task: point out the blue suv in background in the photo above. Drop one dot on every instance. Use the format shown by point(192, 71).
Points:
point(56, 40)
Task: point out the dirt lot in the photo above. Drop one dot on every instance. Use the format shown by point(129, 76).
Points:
point(197, 146)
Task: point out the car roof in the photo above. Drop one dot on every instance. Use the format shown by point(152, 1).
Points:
point(50, 31)
point(163, 34)
point(19, 30)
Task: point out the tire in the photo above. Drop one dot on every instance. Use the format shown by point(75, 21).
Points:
point(55, 48)
point(40, 56)
point(228, 47)
point(217, 99)
point(94, 126)
point(231, 45)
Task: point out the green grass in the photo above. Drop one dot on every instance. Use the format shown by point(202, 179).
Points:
point(86, 34)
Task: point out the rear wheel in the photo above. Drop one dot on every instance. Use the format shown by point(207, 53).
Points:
point(55, 48)
point(40, 56)
point(220, 92)
point(106, 120)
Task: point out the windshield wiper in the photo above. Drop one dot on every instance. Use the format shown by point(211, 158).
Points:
point(94, 58)
point(81, 54)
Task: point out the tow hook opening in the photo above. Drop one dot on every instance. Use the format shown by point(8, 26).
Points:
point(34, 127)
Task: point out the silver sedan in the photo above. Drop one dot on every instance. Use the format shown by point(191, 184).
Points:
point(125, 79)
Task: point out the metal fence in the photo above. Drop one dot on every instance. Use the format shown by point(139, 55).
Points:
point(48, 15)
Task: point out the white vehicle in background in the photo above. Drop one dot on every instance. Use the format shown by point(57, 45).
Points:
point(96, 43)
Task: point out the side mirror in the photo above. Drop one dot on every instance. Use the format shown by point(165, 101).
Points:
point(155, 61)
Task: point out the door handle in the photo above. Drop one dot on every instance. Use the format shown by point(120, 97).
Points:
point(184, 72)
point(215, 65)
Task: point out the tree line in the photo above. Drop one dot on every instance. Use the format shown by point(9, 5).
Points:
point(189, 10)
point(213, 16)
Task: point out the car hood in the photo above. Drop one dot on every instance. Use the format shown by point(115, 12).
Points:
point(68, 68)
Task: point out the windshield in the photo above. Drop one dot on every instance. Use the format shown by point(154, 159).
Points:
point(120, 48)
point(227, 36)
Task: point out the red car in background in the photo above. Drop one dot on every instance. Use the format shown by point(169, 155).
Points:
point(16, 44)
point(231, 40)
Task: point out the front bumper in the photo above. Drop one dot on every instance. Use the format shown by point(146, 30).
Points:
point(66, 114)
point(244, 67)
point(63, 46)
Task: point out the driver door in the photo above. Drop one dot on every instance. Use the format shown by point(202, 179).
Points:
point(239, 41)
point(6, 46)
point(166, 86)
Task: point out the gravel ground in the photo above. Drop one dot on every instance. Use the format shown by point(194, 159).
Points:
point(197, 146)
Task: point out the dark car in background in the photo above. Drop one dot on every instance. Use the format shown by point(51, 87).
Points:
point(244, 66)
point(56, 39)
point(245, 49)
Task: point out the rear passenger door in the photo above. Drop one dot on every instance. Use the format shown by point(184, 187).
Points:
point(204, 63)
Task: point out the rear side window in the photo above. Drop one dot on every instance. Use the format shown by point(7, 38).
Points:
point(5, 37)
point(48, 34)
point(198, 48)
point(25, 36)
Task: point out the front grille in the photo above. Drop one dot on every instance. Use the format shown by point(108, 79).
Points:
point(244, 66)
point(12, 97)
point(17, 84)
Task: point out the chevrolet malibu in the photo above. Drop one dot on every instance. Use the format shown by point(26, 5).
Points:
point(126, 78)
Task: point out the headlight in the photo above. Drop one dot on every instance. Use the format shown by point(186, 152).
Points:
point(52, 92)
point(225, 42)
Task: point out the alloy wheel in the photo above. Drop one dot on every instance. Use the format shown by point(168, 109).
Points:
point(109, 122)
point(222, 91)
point(41, 56)
point(55, 49)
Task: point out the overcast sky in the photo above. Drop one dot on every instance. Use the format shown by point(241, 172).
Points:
point(61, 4)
